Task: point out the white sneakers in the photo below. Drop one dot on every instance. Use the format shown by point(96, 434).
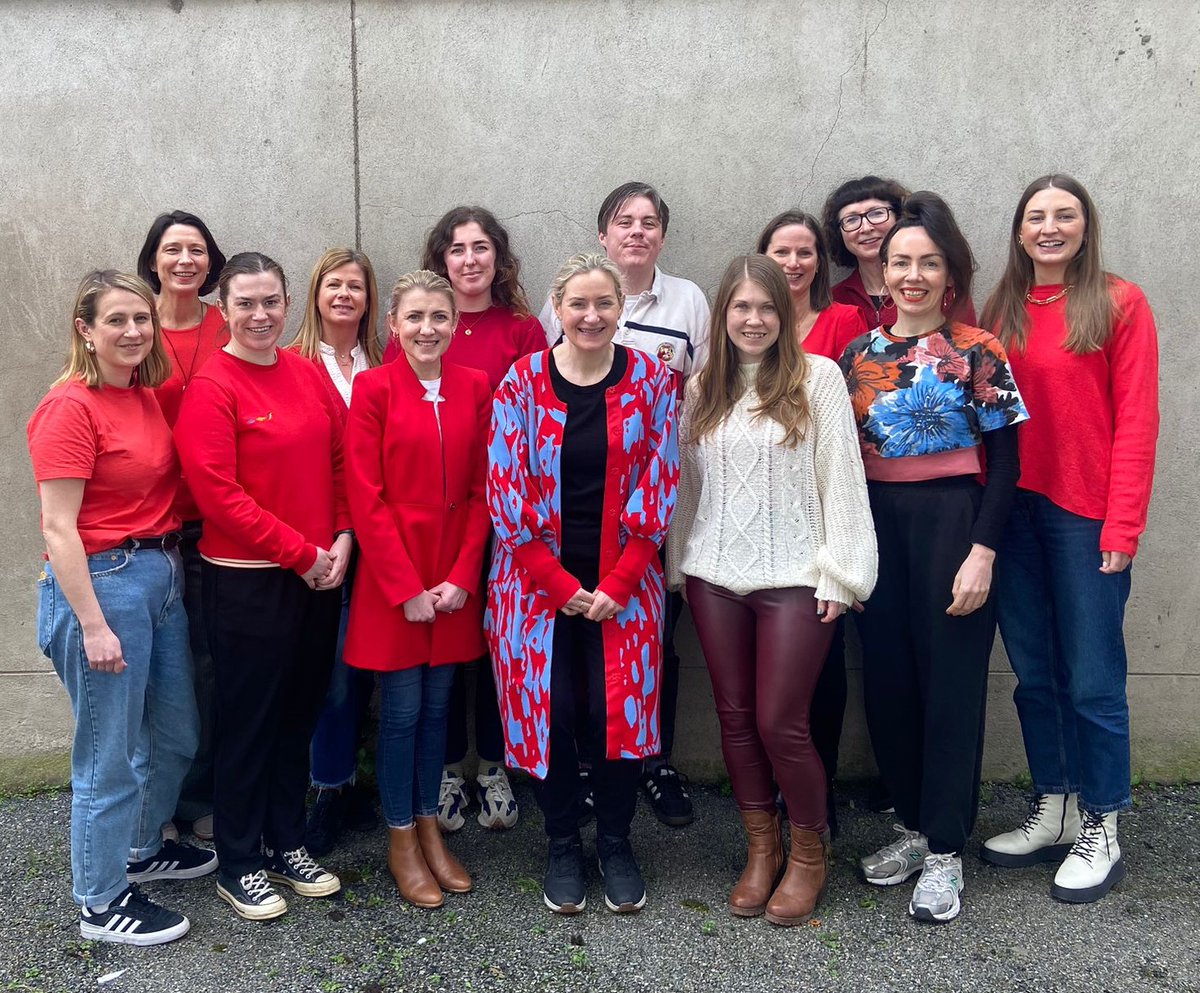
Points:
point(1047, 834)
point(1055, 829)
point(1094, 864)
point(896, 862)
point(935, 897)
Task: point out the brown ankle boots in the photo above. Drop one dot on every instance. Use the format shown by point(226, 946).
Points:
point(797, 895)
point(764, 859)
point(408, 868)
point(446, 869)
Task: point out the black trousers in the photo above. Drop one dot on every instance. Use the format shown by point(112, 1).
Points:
point(577, 681)
point(273, 642)
point(925, 672)
point(489, 736)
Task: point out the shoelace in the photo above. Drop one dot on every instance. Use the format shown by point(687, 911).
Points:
point(257, 885)
point(896, 848)
point(496, 790)
point(936, 875)
point(1036, 804)
point(450, 785)
point(302, 862)
point(1091, 830)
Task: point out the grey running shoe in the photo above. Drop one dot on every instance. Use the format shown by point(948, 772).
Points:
point(935, 897)
point(898, 861)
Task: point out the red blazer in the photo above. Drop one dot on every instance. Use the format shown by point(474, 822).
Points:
point(420, 515)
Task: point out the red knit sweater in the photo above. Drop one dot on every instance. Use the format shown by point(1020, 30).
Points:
point(1093, 419)
point(262, 450)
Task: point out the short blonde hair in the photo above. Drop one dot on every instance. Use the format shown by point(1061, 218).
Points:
point(577, 265)
point(81, 363)
point(421, 279)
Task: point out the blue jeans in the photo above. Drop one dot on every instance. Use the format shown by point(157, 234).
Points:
point(1061, 620)
point(412, 740)
point(334, 748)
point(136, 731)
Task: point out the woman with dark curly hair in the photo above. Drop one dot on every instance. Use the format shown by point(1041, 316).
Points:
point(470, 248)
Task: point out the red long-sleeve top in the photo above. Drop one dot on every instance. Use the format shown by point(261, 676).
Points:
point(1093, 419)
point(262, 450)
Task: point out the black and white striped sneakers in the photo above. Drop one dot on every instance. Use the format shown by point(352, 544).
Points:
point(175, 860)
point(133, 919)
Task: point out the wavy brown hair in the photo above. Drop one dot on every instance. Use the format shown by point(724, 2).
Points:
point(82, 364)
point(507, 291)
point(1090, 307)
point(781, 373)
point(308, 340)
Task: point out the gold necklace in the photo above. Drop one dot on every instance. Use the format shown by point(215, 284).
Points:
point(1030, 298)
point(468, 329)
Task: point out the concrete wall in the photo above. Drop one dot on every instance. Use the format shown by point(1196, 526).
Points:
point(293, 126)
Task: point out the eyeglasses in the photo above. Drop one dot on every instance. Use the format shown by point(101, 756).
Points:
point(876, 215)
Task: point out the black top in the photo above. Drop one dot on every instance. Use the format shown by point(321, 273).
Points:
point(584, 465)
point(1003, 471)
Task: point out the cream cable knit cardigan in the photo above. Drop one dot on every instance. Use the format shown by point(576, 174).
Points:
point(753, 514)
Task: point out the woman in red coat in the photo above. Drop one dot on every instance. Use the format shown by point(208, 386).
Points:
point(416, 463)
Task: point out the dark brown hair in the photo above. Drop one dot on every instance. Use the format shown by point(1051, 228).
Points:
point(506, 284)
point(819, 294)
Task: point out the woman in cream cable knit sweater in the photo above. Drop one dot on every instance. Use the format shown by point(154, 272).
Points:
point(773, 533)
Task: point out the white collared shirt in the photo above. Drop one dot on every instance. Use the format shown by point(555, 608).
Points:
point(669, 320)
point(335, 370)
point(433, 393)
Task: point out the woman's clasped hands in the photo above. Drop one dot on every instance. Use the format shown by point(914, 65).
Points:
point(595, 606)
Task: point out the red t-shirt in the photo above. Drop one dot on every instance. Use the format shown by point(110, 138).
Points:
point(188, 349)
point(491, 340)
point(837, 325)
point(262, 449)
point(118, 442)
point(1093, 419)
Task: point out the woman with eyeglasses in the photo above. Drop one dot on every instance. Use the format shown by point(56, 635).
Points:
point(857, 216)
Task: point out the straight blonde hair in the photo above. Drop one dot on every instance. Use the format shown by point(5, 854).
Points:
point(308, 340)
point(781, 373)
point(152, 371)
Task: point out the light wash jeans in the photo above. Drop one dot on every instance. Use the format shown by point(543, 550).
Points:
point(136, 731)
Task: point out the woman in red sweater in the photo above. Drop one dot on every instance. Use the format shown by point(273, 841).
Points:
point(470, 248)
point(338, 334)
point(260, 440)
point(416, 463)
point(1084, 348)
point(110, 616)
point(796, 241)
point(181, 262)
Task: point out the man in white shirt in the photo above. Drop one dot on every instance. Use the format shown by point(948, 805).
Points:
point(668, 317)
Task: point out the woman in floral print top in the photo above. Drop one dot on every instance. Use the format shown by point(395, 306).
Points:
point(929, 394)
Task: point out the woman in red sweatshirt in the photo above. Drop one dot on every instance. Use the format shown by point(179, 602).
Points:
point(1084, 348)
point(261, 444)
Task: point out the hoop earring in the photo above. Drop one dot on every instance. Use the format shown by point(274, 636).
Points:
point(948, 300)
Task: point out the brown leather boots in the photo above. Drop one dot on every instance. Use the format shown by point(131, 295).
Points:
point(423, 866)
point(795, 898)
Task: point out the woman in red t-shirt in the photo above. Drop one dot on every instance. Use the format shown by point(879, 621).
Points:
point(796, 241)
point(470, 248)
point(180, 261)
point(1084, 349)
point(110, 616)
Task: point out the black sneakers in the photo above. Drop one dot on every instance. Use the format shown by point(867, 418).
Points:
point(300, 871)
point(251, 896)
point(336, 808)
point(132, 919)
point(175, 860)
point(624, 888)
point(564, 889)
point(664, 787)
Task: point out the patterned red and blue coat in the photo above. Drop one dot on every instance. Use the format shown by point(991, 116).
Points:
point(528, 585)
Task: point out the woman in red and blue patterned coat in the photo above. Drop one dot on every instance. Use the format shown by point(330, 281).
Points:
point(583, 465)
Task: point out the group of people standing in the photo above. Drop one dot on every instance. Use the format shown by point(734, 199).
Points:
point(244, 539)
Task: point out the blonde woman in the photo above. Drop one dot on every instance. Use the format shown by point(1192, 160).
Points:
point(775, 539)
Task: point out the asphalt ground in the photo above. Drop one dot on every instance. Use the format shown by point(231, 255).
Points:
point(1010, 936)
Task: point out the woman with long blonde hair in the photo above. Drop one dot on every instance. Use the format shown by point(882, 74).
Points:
point(338, 334)
point(773, 541)
point(1087, 466)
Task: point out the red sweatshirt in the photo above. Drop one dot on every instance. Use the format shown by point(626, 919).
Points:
point(1093, 419)
point(262, 450)
point(188, 350)
point(491, 340)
